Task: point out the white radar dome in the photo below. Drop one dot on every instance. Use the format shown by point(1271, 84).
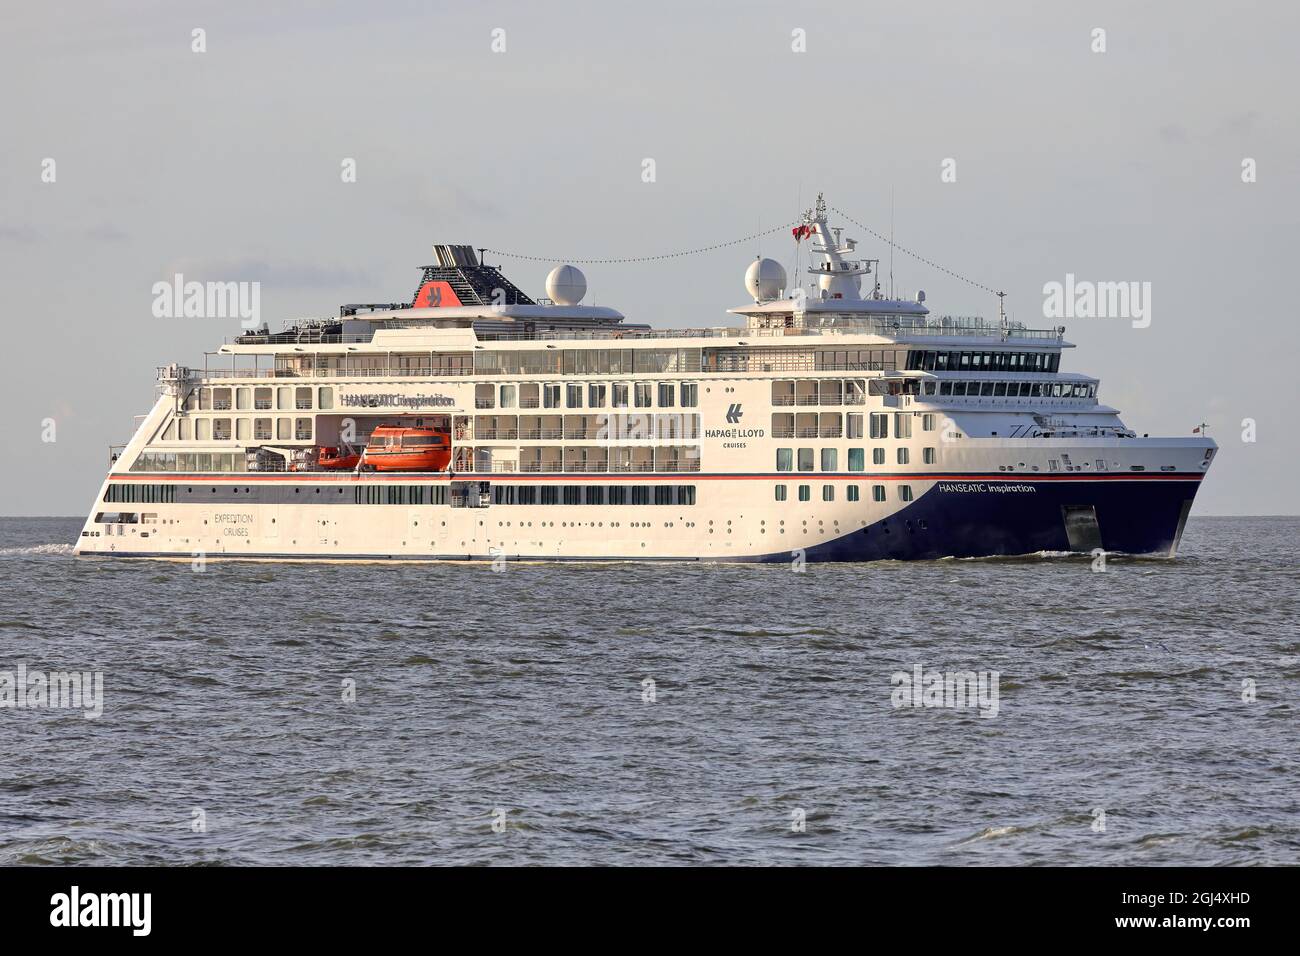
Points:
point(566, 285)
point(765, 279)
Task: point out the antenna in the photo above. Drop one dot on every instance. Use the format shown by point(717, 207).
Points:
point(891, 242)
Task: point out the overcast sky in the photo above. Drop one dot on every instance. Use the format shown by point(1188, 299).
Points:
point(1117, 166)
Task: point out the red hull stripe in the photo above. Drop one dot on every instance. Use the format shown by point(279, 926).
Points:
point(304, 477)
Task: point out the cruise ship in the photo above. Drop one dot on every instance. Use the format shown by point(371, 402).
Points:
point(827, 422)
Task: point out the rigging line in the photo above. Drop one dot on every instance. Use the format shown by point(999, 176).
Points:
point(914, 255)
point(665, 255)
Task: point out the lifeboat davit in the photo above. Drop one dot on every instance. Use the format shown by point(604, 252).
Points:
point(395, 448)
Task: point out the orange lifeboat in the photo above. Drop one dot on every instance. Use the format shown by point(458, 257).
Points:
point(395, 448)
point(337, 459)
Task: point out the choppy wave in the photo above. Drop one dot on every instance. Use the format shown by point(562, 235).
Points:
point(656, 714)
point(54, 550)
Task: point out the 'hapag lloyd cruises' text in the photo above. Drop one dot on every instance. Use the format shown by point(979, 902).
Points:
point(979, 486)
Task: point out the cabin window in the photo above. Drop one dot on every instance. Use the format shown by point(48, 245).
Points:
point(857, 459)
point(877, 456)
point(203, 429)
point(508, 393)
point(852, 492)
point(573, 398)
point(830, 459)
point(243, 429)
point(302, 429)
point(828, 492)
point(641, 393)
point(877, 492)
point(927, 423)
point(902, 424)
point(221, 429)
point(596, 396)
point(929, 455)
point(282, 432)
point(690, 395)
point(854, 425)
point(879, 425)
point(261, 429)
point(325, 397)
point(785, 459)
point(619, 395)
point(666, 395)
point(780, 492)
point(806, 461)
point(805, 492)
point(903, 456)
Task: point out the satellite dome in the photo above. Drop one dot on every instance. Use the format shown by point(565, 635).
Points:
point(566, 285)
point(765, 279)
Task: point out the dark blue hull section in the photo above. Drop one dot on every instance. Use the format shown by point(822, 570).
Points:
point(1135, 517)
